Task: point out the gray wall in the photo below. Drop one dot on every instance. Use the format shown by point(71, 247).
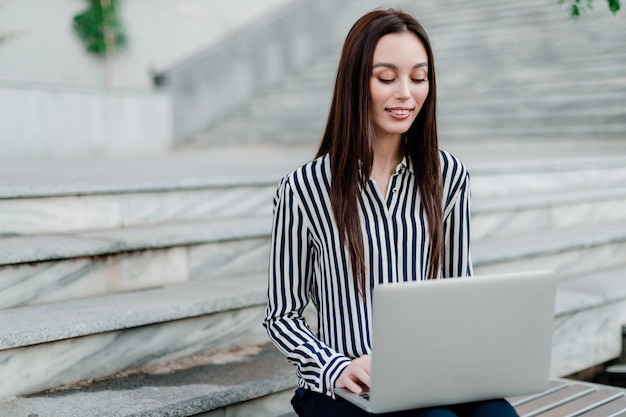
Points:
point(52, 121)
point(215, 81)
point(51, 103)
point(161, 33)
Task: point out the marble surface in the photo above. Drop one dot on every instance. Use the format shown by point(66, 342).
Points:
point(25, 249)
point(567, 263)
point(33, 325)
point(231, 258)
point(527, 214)
point(55, 268)
point(61, 343)
point(567, 251)
point(100, 262)
point(259, 380)
point(52, 281)
point(592, 290)
point(589, 314)
point(271, 406)
point(587, 338)
point(126, 207)
point(587, 326)
point(89, 339)
point(65, 214)
point(34, 368)
point(183, 169)
point(490, 180)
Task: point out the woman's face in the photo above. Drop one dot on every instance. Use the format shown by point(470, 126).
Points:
point(399, 83)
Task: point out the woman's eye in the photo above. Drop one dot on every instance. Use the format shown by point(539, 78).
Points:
point(386, 80)
point(419, 80)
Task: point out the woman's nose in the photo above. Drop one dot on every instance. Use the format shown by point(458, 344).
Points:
point(402, 90)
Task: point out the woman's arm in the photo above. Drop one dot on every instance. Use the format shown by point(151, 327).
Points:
point(457, 260)
point(289, 285)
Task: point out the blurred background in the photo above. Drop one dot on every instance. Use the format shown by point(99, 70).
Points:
point(191, 71)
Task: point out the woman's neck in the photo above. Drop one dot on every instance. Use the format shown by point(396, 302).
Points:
point(388, 153)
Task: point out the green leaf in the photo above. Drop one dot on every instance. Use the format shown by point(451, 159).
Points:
point(91, 25)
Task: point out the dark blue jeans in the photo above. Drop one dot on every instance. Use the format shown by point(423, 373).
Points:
point(311, 404)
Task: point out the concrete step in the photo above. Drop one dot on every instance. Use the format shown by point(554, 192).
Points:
point(94, 327)
point(590, 311)
point(62, 343)
point(130, 193)
point(546, 132)
point(70, 213)
point(183, 246)
point(256, 379)
point(554, 171)
point(514, 215)
point(104, 331)
point(570, 252)
point(52, 196)
point(47, 268)
point(563, 101)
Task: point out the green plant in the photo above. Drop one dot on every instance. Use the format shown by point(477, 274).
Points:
point(577, 7)
point(100, 27)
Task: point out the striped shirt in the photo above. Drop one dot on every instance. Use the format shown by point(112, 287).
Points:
point(308, 263)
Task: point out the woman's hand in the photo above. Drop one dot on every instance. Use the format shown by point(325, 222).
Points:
point(356, 376)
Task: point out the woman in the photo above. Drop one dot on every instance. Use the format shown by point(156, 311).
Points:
point(379, 204)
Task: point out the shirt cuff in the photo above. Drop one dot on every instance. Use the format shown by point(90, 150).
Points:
point(332, 373)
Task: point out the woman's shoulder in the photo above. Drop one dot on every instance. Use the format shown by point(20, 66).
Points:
point(452, 168)
point(316, 171)
point(455, 178)
point(451, 160)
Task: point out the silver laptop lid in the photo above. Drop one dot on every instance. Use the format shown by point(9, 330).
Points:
point(461, 339)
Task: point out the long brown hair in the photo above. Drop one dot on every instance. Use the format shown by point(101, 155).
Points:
point(349, 137)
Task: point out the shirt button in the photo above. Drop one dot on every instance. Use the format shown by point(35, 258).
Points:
point(395, 190)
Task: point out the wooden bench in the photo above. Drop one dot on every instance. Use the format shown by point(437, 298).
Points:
point(568, 398)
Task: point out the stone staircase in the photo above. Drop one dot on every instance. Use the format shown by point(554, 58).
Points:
point(137, 287)
point(506, 72)
point(573, 222)
point(148, 315)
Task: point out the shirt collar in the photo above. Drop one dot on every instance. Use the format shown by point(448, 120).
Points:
point(405, 164)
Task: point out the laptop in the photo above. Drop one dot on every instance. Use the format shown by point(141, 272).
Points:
point(456, 340)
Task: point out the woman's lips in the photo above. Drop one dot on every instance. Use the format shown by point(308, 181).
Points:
point(399, 113)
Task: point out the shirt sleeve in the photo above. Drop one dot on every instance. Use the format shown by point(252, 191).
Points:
point(457, 260)
point(290, 280)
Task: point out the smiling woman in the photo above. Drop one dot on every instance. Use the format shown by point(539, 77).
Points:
point(380, 204)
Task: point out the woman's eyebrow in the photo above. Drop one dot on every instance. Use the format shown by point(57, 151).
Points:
point(395, 67)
